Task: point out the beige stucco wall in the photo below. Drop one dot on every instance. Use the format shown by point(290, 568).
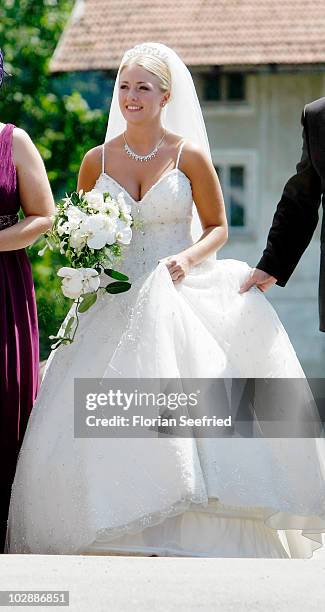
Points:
point(269, 130)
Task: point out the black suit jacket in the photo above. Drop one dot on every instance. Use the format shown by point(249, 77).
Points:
point(296, 216)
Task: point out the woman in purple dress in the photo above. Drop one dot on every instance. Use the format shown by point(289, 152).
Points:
point(23, 184)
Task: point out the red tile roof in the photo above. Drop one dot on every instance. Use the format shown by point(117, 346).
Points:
point(203, 32)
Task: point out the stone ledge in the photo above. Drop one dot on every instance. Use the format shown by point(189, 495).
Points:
point(126, 584)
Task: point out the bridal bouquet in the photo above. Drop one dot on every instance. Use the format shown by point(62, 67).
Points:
point(89, 229)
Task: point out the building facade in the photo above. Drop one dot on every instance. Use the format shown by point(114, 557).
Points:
point(256, 143)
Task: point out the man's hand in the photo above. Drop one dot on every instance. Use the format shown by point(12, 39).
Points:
point(258, 278)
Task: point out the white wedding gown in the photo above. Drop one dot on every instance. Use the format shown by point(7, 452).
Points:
point(230, 497)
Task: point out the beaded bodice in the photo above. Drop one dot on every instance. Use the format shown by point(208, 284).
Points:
point(164, 215)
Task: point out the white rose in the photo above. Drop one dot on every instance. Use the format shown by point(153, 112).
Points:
point(95, 200)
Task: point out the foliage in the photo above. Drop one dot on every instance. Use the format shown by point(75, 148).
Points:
point(63, 127)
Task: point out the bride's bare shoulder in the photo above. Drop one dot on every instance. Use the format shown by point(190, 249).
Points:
point(90, 168)
point(113, 146)
point(172, 139)
point(93, 157)
point(91, 165)
point(194, 156)
point(115, 142)
point(191, 149)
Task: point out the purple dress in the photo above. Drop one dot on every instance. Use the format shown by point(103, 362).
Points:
point(19, 349)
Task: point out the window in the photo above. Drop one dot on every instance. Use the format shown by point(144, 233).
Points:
point(232, 180)
point(237, 175)
point(224, 87)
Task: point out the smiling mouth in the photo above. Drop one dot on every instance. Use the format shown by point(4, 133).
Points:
point(133, 109)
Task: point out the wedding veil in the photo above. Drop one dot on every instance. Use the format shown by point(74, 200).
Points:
point(182, 114)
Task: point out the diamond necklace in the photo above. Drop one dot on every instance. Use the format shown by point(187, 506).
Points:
point(142, 158)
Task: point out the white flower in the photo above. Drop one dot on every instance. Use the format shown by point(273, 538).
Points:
point(124, 207)
point(42, 251)
point(91, 280)
point(67, 201)
point(78, 281)
point(123, 232)
point(63, 227)
point(62, 247)
point(93, 223)
point(72, 282)
point(100, 229)
point(78, 239)
point(75, 216)
point(95, 200)
point(126, 217)
point(112, 208)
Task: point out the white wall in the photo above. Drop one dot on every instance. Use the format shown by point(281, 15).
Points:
point(269, 130)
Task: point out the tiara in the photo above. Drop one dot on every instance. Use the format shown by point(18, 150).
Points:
point(146, 49)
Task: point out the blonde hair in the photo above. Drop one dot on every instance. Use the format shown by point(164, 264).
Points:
point(156, 66)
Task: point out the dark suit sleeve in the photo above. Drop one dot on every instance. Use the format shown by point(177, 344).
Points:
point(295, 219)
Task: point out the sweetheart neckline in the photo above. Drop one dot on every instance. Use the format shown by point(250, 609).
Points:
point(150, 189)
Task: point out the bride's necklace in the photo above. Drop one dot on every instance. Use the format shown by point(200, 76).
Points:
point(142, 158)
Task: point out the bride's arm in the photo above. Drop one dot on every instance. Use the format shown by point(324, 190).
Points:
point(89, 169)
point(208, 199)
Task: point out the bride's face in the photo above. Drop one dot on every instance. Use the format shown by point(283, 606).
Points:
point(140, 88)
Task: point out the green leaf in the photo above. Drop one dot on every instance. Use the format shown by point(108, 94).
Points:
point(68, 326)
point(117, 287)
point(74, 197)
point(114, 274)
point(88, 300)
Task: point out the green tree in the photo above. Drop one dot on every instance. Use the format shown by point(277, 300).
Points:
point(63, 127)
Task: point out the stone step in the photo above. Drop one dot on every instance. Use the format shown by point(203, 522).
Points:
point(129, 584)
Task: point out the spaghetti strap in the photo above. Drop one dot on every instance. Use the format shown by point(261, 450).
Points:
point(103, 158)
point(179, 153)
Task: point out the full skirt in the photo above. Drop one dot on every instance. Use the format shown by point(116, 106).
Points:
point(231, 497)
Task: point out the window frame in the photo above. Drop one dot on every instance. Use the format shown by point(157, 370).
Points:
point(248, 159)
point(213, 108)
point(224, 85)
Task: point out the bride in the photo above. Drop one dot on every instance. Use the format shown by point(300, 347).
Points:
point(183, 317)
